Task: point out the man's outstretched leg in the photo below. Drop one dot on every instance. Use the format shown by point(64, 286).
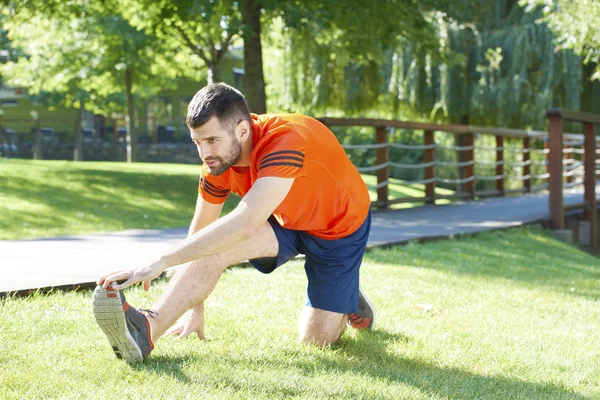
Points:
point(132, 332)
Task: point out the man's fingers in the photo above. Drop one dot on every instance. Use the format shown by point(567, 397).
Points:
point(176, 330)
point(110, 281)
point(147, 285)
point(184, 333)
point(124, 285)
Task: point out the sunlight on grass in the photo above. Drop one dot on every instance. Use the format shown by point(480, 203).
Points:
point(399, 189)
point(52, 198)
point(504, 315)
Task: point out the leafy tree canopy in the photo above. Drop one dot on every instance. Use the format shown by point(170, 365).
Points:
point(576, 25)
point(82, 49)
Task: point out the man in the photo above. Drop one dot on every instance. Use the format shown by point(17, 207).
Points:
point(301, 194)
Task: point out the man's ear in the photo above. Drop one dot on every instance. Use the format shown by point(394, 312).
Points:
point(244, 130)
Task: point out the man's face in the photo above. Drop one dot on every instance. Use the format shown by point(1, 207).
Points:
point(218, 148)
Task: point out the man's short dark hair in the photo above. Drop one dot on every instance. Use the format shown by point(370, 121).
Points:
point(220, 100)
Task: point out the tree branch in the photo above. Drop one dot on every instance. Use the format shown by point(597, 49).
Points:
point(198, 50)
point(225, 45)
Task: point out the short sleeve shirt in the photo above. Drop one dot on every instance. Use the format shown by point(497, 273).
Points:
point(328, 198)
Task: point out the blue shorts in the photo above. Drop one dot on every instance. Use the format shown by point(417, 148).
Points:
point(332, 266)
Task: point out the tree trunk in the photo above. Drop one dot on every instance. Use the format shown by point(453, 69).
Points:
point(77, 139)
point(590, 95)
point(130, 116)
point(253, 66)
point(214, 72)
point(4, 152)
point(37, 141)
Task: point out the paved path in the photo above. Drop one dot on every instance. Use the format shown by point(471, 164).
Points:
point(73, 260)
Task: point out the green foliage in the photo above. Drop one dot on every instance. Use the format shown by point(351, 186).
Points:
point(468, 62)
point(201, 32)
point(82, 50)
point(575, 24)
point(332, 54)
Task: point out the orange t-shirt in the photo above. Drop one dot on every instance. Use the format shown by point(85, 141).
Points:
point(328, 199)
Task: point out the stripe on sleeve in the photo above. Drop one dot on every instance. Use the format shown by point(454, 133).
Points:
point(292, 157)
point(272, 164)
point(213, 190)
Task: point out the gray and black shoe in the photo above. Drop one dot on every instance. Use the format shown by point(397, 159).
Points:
point(365, 316)
point(127, 329)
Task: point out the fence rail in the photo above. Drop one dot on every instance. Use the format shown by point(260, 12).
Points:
point(572, 166)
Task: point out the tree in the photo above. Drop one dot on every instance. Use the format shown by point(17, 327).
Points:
point(88, 52)
point(203, 29)
point(39, 71)
point(253, 60)
point(575, 24)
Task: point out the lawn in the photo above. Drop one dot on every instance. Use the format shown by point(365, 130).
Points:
point(504, 315)
point(52, 198)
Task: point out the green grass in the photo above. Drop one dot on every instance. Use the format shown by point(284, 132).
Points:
point(508, 315)
point(398, 189)
point(52, 198)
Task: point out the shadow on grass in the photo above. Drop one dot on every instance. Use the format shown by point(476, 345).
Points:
point(370, 354)
point(376, 360)
point(166, 365)
point(526, 256)
point(94, 197)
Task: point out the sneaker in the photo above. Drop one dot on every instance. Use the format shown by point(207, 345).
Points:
point(127, 329)
point(365, 316)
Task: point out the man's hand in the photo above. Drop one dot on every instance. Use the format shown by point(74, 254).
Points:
point(130, 277)
point(191, 321)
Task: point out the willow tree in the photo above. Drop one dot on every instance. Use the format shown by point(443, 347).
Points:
point(332, 54)
point(472, 62)
point(484, 63)
point(575, 24)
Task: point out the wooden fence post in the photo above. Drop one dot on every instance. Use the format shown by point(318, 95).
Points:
point(555, 168)
point(527, 164)
point(382, 157)
point(429, 157)
point(589, 179)
point(568, 161)
point(500, 165)
point(469, 169)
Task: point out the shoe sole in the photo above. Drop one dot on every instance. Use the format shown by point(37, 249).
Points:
point(366, 299)
point(110, 317)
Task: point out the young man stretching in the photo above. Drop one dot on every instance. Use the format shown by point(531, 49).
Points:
point(300, 194)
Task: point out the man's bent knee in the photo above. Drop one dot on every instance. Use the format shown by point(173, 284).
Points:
point(320, 327)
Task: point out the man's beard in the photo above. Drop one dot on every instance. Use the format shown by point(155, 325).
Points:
point(229, 159)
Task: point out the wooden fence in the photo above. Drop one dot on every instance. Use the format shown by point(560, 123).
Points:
point(558, 172)
point(430, 160)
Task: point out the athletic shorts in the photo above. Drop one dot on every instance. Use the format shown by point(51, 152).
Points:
point(332, 266)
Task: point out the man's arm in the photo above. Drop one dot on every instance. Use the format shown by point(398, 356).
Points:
point(205, 214)
point(251, 213)
point(225, 233)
